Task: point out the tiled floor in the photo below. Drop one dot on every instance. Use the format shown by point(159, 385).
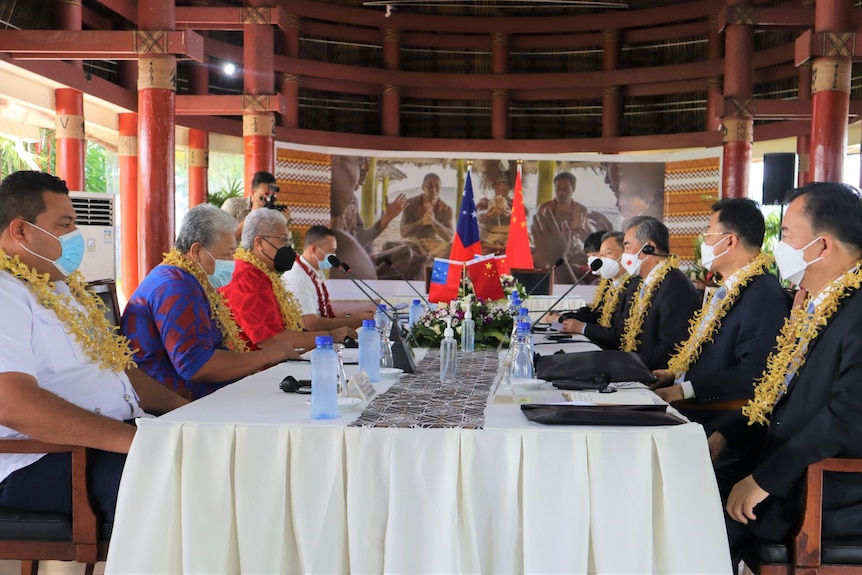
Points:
point(49, 568)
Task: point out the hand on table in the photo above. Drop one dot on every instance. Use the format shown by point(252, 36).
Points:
point(664, 378)
point(338, 334)
point(280, 351)
point(743, 498)
point(670, 394)
point(573, 326)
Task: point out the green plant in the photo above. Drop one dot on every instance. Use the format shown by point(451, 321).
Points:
point(772, 218)
point(232, 189)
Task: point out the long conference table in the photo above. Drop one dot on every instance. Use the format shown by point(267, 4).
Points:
point(244, 481)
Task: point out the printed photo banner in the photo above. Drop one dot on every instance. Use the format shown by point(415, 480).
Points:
point(393, 213)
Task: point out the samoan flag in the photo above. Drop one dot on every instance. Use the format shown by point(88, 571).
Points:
point(466, 243)
point(445, 279)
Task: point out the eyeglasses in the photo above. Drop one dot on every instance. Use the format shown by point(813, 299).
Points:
point(285, 240)
point(705, 234)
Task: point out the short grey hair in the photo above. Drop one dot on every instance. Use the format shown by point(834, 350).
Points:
point(649, 229)
point(204, 224)
point(260, 223)
point(618, 237)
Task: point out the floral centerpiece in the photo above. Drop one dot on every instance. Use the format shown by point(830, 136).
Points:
point(492, 318)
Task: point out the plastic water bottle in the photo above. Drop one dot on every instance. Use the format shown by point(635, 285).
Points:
point(383, 321)
point(524, 317)
point(415, 312)
point(468, 332)
point(522, 355)
point(448, 354)
point(369, 350)
point(514, 303)
point(324, 379)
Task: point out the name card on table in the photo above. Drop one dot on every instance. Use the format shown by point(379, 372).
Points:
point(360, 384)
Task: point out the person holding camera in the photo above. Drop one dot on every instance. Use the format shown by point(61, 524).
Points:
point(263, 195)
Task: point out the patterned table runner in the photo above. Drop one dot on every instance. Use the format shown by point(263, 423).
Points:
point(421, 400)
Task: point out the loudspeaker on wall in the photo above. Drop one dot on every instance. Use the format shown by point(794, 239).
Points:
point(779, 177)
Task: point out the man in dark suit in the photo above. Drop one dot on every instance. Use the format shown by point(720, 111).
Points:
point(660, 309)
point(588, 320)
point(820, 413)
point(727, 348)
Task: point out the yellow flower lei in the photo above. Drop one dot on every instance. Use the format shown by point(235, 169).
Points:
point(689, 351)
point(635, 321)
point(91, 329)
point(612, 301)
point(218, 310)
point(291, 313)
point(601, 293)
point(789, 354)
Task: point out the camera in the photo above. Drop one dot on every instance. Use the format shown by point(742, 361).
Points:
point(270, 201)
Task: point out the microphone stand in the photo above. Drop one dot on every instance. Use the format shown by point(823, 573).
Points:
point(597, 264)
point(557, 264)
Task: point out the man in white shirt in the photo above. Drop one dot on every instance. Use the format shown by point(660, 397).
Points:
point(308, 283)
point(53, 386)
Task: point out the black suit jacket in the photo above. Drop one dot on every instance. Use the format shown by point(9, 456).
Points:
point(673, 304)
point(820, 416)
point(609, 337)
point(728, 365)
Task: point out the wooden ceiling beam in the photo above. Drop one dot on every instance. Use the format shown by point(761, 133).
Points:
point(100, 44)
point(128, 9)
point(228, 17)
point(229, 105)
point(810, 45)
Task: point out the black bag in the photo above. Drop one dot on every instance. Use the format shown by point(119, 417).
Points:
point(621, 415)
point(584, 367)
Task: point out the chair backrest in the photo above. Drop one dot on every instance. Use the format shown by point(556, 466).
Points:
point(537, 282)
point(107, 291)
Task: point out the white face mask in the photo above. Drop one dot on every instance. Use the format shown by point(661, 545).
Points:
point(708, 255)
point(610, 268)
point(632, 263)
point(591, 259)
point(791, 261)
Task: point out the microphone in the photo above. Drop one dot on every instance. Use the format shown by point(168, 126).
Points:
point(557, 264)
point(593, 268)
point(356, 280)
point(388, 262)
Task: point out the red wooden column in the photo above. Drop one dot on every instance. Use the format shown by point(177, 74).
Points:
point(611, 96)
point(198, 166)
point(290, 82)
point(128, 152)
point(830, 91)
point(258, 128)
point(71, 145)
point(803, 143)
point(68, 15)
point(737, 124)
point(391, 108)
point(713, 83)
point(157, 85)
point(499, 96)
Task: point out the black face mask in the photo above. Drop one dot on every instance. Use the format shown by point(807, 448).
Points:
point(284, 258)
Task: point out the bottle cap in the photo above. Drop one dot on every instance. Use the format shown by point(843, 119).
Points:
point(417, 302)
point(524, 311)
point(368, 324)
point(381, 307)
point(448, 332)
point(468, 314)
point(323, 340)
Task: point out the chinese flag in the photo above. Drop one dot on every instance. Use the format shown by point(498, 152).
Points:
point(466, 243)
point(503, 265)
point(486, 280)
point(518, 253)
point(445, 279)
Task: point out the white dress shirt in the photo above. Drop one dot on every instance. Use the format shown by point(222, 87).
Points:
point(34, 341)
point(297, 281)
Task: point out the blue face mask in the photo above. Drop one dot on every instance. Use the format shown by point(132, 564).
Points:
point(324, 264)
point(72, 251)
point(223, 272)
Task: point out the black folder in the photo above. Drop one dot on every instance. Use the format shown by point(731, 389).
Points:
point(614, 415)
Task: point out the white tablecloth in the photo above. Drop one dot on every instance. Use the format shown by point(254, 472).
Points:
point(244, 481)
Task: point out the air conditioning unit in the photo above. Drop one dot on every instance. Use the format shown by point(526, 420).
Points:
point(96, 221)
